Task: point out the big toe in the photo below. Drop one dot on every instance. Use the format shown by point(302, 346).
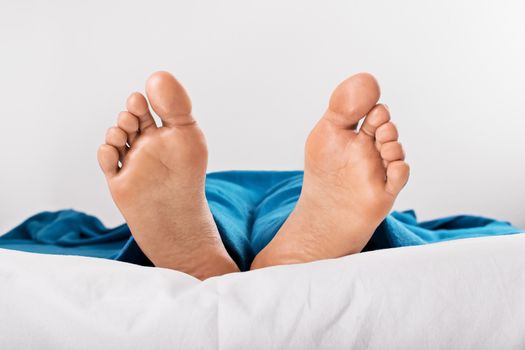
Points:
point(353, 99)
point(169, 99)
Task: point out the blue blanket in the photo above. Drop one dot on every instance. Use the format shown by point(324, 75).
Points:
point(249, 207)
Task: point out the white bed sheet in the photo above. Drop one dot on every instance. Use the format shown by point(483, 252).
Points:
point(466, 294)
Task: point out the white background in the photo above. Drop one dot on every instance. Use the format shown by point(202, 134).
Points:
point(260, 74)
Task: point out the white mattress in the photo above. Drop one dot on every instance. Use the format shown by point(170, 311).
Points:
point(466, 294)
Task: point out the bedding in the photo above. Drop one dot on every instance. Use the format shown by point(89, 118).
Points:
point(460, 294)
point(249, 207)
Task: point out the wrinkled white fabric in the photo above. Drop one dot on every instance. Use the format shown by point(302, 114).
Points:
point(465, 294)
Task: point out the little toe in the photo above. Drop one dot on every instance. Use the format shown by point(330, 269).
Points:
point(387, 133)
point(392, 151)
point(397, 174)
point(378, 116)
point(108, 157)
point(117, 138)
point(169, 99)
point(352, 100)
point(138, 106)
point(130, 124)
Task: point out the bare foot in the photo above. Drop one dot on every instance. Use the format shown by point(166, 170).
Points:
point(156, 177)
point(351, 179)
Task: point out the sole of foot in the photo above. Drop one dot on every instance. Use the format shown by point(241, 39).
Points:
point(351, 179)
point(156, 177)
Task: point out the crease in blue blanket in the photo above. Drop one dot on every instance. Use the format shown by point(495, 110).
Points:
point(249, 207)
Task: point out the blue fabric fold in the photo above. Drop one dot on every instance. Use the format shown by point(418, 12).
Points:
point(249, 207)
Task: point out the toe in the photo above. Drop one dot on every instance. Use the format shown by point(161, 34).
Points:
point(108, 159)
point(130, 124)
point(169, 99)
point(378, 116)
point(397, 174)
point(386, 133)
point(117, 138)
point(392, 151)
point(352, 100)
point(138, 106)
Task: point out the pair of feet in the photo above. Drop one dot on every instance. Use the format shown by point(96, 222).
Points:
point(156, 177)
